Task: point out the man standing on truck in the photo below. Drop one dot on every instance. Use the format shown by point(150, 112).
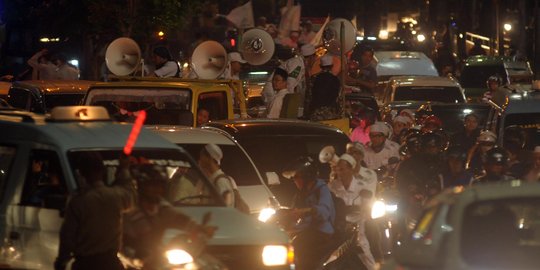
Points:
point(495, 92)
point(279, 83)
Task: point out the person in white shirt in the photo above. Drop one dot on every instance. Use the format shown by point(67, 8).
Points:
point(165, 66)
point(355, 191)
point(64, 71)
point(279, 83)
point(210, 164)
point(235, 66)
point(42, 67)
point(380, 149)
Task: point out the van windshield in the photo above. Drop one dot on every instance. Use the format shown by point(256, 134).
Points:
point(440, 94)
point(476, 76)
point(180, 180)
point(162, 106)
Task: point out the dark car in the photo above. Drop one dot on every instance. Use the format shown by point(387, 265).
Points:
point(274, 144)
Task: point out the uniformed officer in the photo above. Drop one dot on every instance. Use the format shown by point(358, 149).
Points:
point(495, 166)
point(380, 149)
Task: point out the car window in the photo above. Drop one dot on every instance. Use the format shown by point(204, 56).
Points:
point(502, 234)
point(162, 106)
point(215, 103)
point(476, 76)
point(528, 125)
point(45, 183)
point(19, 98)
point(234, 163)
point(183, 183)
point(7, 154)
point(440, 94)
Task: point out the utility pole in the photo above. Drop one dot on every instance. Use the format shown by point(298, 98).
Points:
point(536, 35)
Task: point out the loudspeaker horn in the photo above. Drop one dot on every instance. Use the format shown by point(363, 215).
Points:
point(209, 60)
point(123, 56)
point(257, 46)
point(332, 36)
point(328, 155)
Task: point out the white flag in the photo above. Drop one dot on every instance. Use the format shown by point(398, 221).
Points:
point(290, 19)
point(242, 16)
point(317, 39)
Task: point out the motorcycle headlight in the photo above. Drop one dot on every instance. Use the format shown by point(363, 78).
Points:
point(178, 256)
point(266, 214)
point(275, 255)
point(378, 209)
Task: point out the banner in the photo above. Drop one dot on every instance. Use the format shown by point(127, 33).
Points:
point(242, 16)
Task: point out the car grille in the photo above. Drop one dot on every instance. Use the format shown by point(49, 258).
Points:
point(242, 257)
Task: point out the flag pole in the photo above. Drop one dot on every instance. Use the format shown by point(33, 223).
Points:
point(343, 75)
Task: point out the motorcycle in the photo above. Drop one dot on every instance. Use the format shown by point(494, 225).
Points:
point(180, 251)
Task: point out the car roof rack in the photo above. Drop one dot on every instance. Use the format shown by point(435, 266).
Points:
point(17, 115)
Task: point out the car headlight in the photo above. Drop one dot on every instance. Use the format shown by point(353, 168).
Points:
point(276, 255)
point(378, 209)
point(266, 214)
point(178, 256)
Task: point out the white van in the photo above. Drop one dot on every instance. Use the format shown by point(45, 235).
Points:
point(235, 163)
point(397, 63)
point(30, 223)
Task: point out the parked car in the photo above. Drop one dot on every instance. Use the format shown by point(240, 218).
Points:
point(487, 226)
point(42, 96)
point(515, 74)
point(236, 163)
point(273, 144)
point(31, 228)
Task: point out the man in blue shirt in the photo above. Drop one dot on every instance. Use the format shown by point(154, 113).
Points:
point(314, 213)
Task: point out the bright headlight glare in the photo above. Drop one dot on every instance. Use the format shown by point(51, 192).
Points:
point(274, 255)
point(266, 214)
point(391, 208)
point(378, 209)
point(178, 257)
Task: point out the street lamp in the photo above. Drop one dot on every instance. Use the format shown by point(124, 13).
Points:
point(507, 27)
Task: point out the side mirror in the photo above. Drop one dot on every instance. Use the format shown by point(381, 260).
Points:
point(273, 178)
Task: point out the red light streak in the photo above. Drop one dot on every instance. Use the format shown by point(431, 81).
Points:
point(135, 132)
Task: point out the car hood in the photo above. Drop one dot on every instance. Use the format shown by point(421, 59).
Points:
point(234, 227)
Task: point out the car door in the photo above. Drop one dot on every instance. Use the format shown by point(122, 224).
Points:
point(35, 213)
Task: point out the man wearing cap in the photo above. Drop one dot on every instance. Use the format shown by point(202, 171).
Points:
point(355, 192)
point(485, 142)
point(210, 162)
point(165, 66)
point(400, 125)
point(325, 91)
point(279, 83)
point(495, 165)
point(379, 150)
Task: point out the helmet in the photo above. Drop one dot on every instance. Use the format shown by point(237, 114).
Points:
point(305, 166)
point(433, 120)
point(487, 136)
point(431, 139)
point(413, 143)
point(496, 156)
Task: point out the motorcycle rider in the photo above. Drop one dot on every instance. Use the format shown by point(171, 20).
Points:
point(380, 149)
point(485, 142)
point(144, 227)
point(495, 166)
point(349, 185)
point(312, 213)
point(454, 173)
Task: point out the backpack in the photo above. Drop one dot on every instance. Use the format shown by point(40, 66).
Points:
point(239, 203)
point(340, 221)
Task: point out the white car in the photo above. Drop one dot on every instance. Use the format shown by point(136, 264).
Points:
point(423, 88)
point(487, 226)
point(235, 163)
point(396, 63)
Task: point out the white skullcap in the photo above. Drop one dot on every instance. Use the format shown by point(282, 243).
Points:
point(402, 119)
point(307, 50)
point(236, 57)
point(379, 127)
point(350, 159)
point(487, 136)
point(356, 145)
point(214, 151)
point(326, 60)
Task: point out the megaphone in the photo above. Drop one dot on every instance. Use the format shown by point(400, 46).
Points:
point(332, 36)
point(123, 56)
point(209, 60)
point(328, 155)
point(257, 46)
